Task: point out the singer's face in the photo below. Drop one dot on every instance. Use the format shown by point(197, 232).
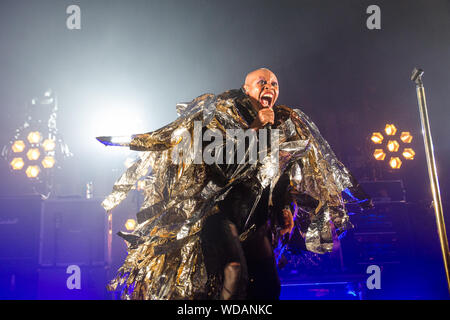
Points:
point(261, 86)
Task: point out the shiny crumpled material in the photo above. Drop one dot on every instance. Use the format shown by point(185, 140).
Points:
point(165, 259)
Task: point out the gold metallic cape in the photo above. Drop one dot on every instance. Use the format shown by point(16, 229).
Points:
point(165, 259)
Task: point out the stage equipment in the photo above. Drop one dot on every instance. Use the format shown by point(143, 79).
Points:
point(384, 236)
point(325, 287)
point(41, 239)
point(20, 219)
point(383, 191)
point(432, 171)
point(74, 232)
point(37, 148)
point(392, 146)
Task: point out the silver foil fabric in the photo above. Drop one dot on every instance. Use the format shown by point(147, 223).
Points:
point(165, 260)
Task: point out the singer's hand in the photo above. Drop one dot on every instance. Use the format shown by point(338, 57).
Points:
point(265, 116)
point(288, 222)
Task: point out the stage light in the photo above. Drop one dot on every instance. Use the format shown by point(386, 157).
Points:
point(34, 137)
point(17, 163)
point(377, 138)
point(395, 162)
point(18, 146)
point(38, 144)
point(393, 146)
point(408, 154)
point(390, 129)
point(130, 224)
point(406, 137)
point(48, 162)
point(49, 145)
point(33, 154)
point(379, 154)
point(32, 171)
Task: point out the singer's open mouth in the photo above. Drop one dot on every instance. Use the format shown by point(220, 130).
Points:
point(266, 99)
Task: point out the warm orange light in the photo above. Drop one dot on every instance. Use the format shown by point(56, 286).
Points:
point(17, 163)
point(377, 137)
point(390, 129)
point(379, 154)
point(408, 154)
point(32, 171)
point(130, 224)
point(406, 137)
point(48, 145)
point(395, 162)
point(48, 162)
point(34, 137)
point(33, 154)
point(18, 146)
point(393, 146)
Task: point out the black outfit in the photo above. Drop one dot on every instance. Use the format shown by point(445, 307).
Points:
point(220, 236)
point(221, 245)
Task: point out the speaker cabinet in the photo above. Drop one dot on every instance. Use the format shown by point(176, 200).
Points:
point(74, 232)
point(19, 230)
point(19, 246)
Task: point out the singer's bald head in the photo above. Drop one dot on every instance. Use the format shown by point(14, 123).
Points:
point(262, 86)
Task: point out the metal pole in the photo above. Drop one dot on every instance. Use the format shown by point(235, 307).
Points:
point(432, 172)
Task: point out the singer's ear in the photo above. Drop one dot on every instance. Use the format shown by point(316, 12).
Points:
point(245, 88)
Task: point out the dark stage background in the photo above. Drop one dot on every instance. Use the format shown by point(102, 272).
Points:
point(132, 61)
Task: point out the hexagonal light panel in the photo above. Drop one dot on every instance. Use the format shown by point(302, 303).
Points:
point(48, 162)
point(393, 146)
point(32, 171)
point(390, 129)
point(377, 138)
point(408, 154)
point(17, 163)
point(33, 154)
point(48, 145)
point(379, 154)
point(34, 137)
point(18, 146)
point(395, 162)
point(406, 137)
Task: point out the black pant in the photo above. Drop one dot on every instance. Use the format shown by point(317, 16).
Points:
point(264, 283)
point(221, 246)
